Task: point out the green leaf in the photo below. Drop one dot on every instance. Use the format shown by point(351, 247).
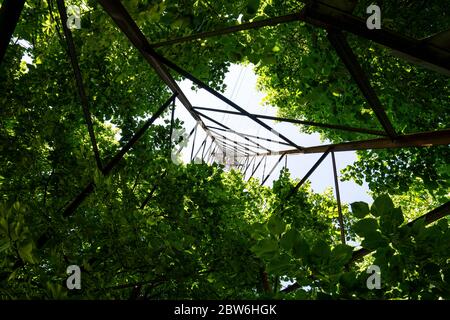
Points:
point(365, 226)
point(258, 230)
point(269, 59)
point(276, 225)
point(25, 252)
point(382, 255)
point(374, 240)
point(320, 251)
point(57, 291)
point(301, 248)
point(360, 209)
point(4, 225)
point(280, 264)
point(252, 6)
point(432, 271)
point(382, 206)
point(265, 247)
point(389, 223)
point(288, 239)
point(418, 227)
point(5, 244)
point(349, 280)
point(16, 205)
point(276, 48)
point(397, 216)
point(341, 254)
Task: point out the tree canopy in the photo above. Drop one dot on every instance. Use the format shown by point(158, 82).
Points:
point(153, 229)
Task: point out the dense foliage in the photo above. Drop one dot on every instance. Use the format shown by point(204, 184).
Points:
point(307, 80)
point(205, 232)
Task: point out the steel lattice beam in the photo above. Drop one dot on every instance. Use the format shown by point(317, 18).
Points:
point(302, 122)
point(421, 52)
point(9, 16)
point(220, 96)
point(123, 20)
point(232, 29)
point(344, 51)
point(273, 168)
point(227, 129)
point(78, 200)
point(338, 198)
point(422, 139)
point(79, 80)
point(324, 15)
point(244, 135)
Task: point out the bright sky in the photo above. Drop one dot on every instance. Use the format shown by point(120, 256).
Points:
point(241, 89)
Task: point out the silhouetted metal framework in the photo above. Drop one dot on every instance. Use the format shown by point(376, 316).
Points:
point(334, 16)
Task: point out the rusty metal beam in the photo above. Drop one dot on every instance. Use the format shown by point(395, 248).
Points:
point(227, 129)
point(241, 134)
point(257, 166)
point(427, 54)
point(302, 122)
point(220, 96)
point(200, 148)
point(273, 168)
point(79, 80)
point(239, 144)
point(232, 29)
point(441, 40)
point(249, 164)
point(421, 139)
point(123, 20)
point(338, 199)
point(230, 149)
point(326, 14)
point(78, 200)
point(347, 56)
point(233, 144)
point(309, 173)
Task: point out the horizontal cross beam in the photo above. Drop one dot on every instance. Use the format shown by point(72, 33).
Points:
point(231, 29)
point(421, 139)
point(238, 144)
point(241, 134)
point(427, 54)
point(325, 15)
point(302, 122)
point(220, 96)
point(227, 129)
